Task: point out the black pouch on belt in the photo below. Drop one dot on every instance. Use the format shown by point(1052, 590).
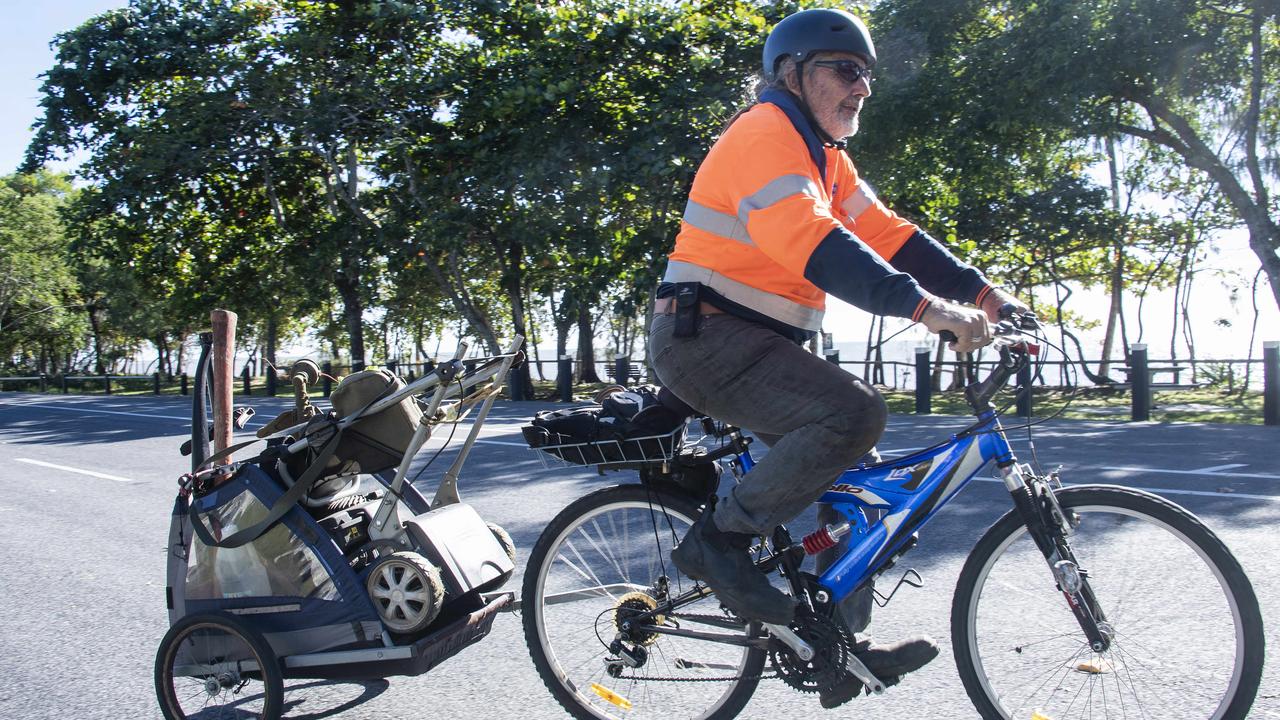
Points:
point(687, 302)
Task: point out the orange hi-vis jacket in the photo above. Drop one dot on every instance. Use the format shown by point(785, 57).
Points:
point(775, 220)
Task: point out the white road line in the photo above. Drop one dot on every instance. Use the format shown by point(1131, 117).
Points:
point(1172, 491)
point(1206, 471)
point(1219, 468)
point(78, 471)
point(100, 412)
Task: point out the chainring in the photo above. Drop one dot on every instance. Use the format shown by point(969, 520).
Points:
point(631, 605)
point(832, 644)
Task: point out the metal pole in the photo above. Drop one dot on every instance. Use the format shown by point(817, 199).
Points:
point(1140, 382)
point(564, 378)
point(1024, 399)
point(923, 389)
point(1271, 382)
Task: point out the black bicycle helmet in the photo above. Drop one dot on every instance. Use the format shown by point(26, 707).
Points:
point(801, 34)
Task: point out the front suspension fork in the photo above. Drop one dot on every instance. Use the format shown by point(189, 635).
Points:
point(1051, 540)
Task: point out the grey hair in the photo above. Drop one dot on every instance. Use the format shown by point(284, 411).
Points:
point(758, 87)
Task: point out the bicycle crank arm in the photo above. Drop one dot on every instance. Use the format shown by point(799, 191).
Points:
point(859, 670)
point(803, 650)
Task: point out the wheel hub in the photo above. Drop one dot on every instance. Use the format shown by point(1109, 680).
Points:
point(632, 605)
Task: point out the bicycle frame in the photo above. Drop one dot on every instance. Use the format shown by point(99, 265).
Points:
point(909, 491)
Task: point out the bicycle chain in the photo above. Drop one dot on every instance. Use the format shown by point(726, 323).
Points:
point(697, 680)
point(695, 616)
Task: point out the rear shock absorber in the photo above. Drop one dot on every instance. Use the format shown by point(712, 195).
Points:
point(824, 537)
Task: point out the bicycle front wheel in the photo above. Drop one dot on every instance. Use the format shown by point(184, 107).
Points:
point(608, 555)
point(1184, 621)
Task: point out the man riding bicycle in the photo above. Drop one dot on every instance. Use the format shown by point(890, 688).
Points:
point(777, 218)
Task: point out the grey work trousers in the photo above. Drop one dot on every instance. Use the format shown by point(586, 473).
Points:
point(818, 419)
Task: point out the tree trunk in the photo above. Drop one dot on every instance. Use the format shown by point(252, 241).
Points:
point(1117, 268)
point(92, 309)
point(586, 349)
point(273, 332)
point(348, 285)
point(513, 283)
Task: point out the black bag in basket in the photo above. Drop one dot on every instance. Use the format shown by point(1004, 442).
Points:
point(630, 425)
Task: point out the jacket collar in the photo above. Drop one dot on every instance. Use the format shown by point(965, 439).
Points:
point(786, 102)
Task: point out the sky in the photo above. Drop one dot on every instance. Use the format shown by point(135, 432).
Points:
point(28, 26)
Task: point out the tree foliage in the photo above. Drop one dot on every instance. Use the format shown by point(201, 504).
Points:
point(384, 167)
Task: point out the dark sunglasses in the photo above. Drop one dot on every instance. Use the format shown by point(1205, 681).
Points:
point(848, 70)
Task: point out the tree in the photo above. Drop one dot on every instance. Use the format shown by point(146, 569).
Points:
point(40, 317)
point(257, 115)
point(1193, 76)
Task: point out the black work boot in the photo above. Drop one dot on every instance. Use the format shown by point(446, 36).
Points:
point(887, 662)
point(720, 559)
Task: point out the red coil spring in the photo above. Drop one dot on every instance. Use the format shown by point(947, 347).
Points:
point(817, 541)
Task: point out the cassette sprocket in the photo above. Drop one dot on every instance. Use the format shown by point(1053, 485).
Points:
point(631, 605)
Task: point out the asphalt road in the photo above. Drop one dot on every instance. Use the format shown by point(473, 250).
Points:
point(88, 483)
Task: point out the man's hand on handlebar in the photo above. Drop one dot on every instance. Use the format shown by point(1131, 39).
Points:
point(996, 301)
point(967, 329)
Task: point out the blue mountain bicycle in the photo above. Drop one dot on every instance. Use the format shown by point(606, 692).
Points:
point(1090, 601)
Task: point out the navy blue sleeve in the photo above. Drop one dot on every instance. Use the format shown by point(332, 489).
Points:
point(937, 270)
point(844, 266)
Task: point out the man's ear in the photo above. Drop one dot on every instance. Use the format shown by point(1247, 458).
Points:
point(789, 75)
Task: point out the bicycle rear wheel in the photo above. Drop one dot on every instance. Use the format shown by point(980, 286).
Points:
point(599, 559)
point(1186, 629)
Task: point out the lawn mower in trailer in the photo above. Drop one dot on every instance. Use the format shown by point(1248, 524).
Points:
point(318, 558)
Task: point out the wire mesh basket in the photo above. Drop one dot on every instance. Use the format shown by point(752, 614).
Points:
point(614, 452)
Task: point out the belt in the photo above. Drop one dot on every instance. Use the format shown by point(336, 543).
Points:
point(667, 306)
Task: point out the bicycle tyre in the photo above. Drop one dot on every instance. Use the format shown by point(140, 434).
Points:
point(612, 507)
point(194, 635)
point(1114, 513)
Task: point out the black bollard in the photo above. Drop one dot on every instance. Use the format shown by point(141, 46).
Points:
point(64, 383)
point(923, 387)
point(155, 383)
point(44, 383)
point(622, 370)
point(271, 381)
point(1140, 382)
point(1271, 382)
point(1024, 398)
point(184, 384)
point(248, 390)
point(326, 377)
point(106, 380)
point(564, 378)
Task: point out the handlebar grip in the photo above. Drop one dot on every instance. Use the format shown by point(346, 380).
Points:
point(947, 336)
